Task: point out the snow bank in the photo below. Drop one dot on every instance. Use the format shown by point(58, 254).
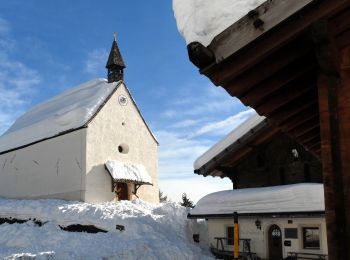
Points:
point(67, 111)
point(202, 20)
point(229, 139)
point(151, 231)
point(276, 199)
point(121, 171)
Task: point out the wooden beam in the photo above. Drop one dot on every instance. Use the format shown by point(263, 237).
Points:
point(316, 147)
point(299, 104)
point(344, 132)
point(332, 176)
point(264, 46)
point(339, 23)
point(309, 136)
point(285, 96)
point(343, 40)
point(239, 85)
point(334, 109)
point(312, 142)
point(300, 118)
point(288, 74)
point(243, 32)
point(306, 127)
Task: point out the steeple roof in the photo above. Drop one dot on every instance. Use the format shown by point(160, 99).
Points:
point(115, 58)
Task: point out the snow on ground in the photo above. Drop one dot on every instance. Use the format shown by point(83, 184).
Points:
point(276, 199)
point(151, 231)
point(202, 20)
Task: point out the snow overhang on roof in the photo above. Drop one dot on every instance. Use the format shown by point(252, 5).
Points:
point(235, 137)
point(125, 172)
point(202, 20)
point(267, 200)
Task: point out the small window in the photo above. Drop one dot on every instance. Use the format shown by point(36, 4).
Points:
point(291, 233)
point(123, 148)
point(229, 236)
point(311, 237)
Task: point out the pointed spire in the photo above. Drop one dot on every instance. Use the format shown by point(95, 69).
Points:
point(115, 63)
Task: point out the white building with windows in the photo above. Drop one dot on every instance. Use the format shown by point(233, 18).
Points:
point(277, 193)
point(277, 221)
point(89, 143)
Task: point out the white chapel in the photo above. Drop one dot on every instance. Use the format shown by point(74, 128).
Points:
point(90, 143)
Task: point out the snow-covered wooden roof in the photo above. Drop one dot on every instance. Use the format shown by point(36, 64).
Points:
point(201, 20)
point(295, 198)
point(69, 111)
point(231, 138)
point(127, 172)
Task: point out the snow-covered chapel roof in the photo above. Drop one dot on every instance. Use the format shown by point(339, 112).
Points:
point(69, 111)
point(294, 198)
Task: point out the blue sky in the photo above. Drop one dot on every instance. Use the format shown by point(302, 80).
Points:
point(47, 47)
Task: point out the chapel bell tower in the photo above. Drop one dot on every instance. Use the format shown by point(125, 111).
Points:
point(115, 64)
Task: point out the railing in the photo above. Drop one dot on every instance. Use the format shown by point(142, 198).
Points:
point(220, 252)
point(298, 255)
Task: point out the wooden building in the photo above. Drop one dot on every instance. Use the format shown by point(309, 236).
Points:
point(290, 61)
point(256, 154)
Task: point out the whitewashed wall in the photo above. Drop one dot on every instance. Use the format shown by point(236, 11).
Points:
point(114, 125)
point(48, 169)
point(259, 238)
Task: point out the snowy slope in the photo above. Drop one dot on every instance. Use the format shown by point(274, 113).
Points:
point(151, 231)
point(202, 20)
point(69, 110)
point(276, 199)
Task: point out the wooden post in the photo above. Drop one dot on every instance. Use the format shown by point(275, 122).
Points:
point(334, 110)
point(235, 181)
point(235, 236)
point(344, 134)
point(231, 173)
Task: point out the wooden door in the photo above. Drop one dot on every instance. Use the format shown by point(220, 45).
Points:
point(122, 191)
point(275, 243)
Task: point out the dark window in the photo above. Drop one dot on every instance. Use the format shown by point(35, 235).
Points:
point(291, 233)
point(311, 237)
point(229, 233)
